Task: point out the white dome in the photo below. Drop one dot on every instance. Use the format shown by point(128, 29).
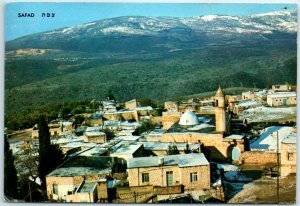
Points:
point(189, 119)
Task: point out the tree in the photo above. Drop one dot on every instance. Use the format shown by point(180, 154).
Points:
point(146, 126)
point(110, 95)
point(187, 149)
point(50, 156)
point(173, 150)
point(10, 172)
point(147, 102)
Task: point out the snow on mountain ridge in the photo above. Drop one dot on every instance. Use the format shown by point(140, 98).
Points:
point(285, 21)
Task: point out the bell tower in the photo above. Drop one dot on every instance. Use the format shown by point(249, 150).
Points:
point(220, 111)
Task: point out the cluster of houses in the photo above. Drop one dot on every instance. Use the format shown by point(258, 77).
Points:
point(174, 158)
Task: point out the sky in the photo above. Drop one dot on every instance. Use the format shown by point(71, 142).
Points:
point(70, 14)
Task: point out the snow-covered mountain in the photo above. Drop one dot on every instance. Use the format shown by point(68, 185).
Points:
point(160, 30)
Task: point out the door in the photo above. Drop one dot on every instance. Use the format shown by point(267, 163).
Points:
point(170, 178)
point(284, 102)
point(235, 155)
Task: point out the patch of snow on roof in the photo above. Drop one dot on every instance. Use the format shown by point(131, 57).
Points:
point(263, 113)
point(70, 139)
point(201, 126)
point(227, 167)
point(127, 149)
point(282, 94)
point(79, 144)
point(94, 133)
point(268, 139)
point(291, 139)
point(234, 136)
point(182, 160)
point(144, 108)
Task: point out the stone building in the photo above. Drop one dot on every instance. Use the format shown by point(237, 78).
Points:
point(281, 87)
point(131, 105)
point(95, 136)
point(282, 99)
point(85, 192)
point(214, 138)
point(171, 106)
point(248, 95)
point(55, 128)
point(169, 118)
point(190, 170)
point(264, 150)
point(127, 151)
point(220, 111)
point(162, 148)
point(69, 176)
point(288, 157)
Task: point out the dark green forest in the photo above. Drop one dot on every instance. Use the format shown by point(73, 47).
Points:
point(43, 83)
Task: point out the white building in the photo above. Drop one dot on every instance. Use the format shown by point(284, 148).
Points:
point(282, 99)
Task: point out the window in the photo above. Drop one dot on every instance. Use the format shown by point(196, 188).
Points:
point(55, 189)
point(194, 177)
point(290, 156)
point(169, 175)
point(145, 177)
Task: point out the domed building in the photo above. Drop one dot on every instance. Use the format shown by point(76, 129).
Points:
point(189, 118)
point(189, 121)
point(211, 130)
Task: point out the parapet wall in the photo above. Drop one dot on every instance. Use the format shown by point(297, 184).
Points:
point(259, 157)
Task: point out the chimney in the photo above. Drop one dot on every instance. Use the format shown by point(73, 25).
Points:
point(161, 161)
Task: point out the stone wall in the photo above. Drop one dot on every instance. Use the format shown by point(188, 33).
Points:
point(169, 118)
point(259, 157)
point(216, 147)
point(171, 106)
point(131, 105)
point(101, 138)
point(156, 120)
point(203, 177)
point(288, 159)
point(181, 176)
point(66, 184)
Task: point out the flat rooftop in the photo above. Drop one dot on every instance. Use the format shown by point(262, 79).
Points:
point(127, 138)
point(234, 136)
point(127, 149)
point(182, 160)
point(94, 152)
point(88, 187)
point(267, 141)
point(81, 165)
point(68, 139)
point(291, 139)
point(165, 145)
point(282, 94)
point(78, 144)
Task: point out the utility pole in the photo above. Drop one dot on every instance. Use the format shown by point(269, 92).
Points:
point(30, 199)
point(277, 168)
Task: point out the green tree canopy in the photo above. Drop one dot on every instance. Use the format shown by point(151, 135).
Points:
point(10, 173)
point(173, 150)
point(50, 155)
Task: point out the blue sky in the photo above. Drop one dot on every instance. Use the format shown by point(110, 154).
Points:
point(69, 14)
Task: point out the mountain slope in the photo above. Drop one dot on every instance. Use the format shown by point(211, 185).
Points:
point(156, 33)
point(155, 57)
